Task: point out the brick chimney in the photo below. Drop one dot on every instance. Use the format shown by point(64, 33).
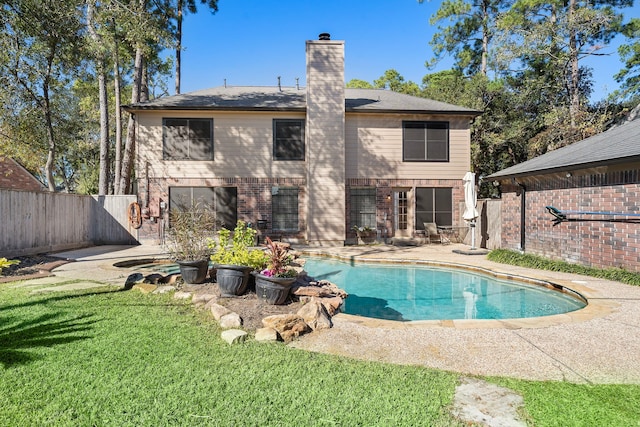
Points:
point(325, 127)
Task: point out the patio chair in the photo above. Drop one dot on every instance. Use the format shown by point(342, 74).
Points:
point(434, 234)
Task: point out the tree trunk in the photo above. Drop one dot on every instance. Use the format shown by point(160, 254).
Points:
point(51, 141)
point(574, 95)
point(130, 144)
point(179, 45)
point(485, 37)
point(103, 181)
point(118, 114)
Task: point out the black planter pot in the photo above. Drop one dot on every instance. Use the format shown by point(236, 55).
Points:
point(232, 279)
point(194, 272)
point(273, 290)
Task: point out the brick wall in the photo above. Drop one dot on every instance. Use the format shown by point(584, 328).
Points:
point(254, 200)
point(594, 243)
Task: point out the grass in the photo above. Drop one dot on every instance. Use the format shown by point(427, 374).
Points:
point(510, 257)
point(111, 358)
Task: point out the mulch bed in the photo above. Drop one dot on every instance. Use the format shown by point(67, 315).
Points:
point(31, 267)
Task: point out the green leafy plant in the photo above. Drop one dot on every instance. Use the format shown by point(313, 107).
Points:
point(4, 263)
point(506, 256)
point(190, 232)
point(279, 260)
point(235, 250)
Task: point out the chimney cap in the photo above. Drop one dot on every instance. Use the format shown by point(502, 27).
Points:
point(324, 36)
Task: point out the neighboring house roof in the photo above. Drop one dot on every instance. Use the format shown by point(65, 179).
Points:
point(252, 98)
point(620, 144)
point(14, 176)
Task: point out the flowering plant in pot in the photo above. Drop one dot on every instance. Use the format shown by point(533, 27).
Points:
point(274, 282)
point(234, 259)
point(189, 235)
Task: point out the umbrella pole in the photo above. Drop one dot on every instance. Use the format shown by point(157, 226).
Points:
point(472, 224)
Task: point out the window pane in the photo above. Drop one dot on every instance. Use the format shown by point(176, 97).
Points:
point(363, 207)
point(424, 199)
point(288, 141)
point(201, 147)
point(179, 198)
point(204, 196)
point(414, 150)
point(175, 132)
point(438, 151)
point(443, 199)
point(284, 209)
point(227, 206)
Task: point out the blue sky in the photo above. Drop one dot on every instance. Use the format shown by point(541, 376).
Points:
point(252, 42)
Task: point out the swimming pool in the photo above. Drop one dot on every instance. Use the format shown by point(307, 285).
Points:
point(405, 292)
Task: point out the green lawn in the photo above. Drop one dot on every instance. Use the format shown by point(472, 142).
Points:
point(112, 358)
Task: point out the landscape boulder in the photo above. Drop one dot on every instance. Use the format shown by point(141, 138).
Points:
point(289, 326)
point(234, 336)
point(315, 315)
point(230, 320)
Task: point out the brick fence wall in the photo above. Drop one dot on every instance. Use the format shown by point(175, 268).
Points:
point(597, 242)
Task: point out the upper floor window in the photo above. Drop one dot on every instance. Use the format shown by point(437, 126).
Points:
point(187, 139)
point(425, 141)
point(288, 139)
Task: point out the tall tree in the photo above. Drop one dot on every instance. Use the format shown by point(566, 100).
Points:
point(100, 53)
point(39, 52)
point(561, 33)
point(393, 80)
point(191, 7)
point(468, 35)
point(629, 52)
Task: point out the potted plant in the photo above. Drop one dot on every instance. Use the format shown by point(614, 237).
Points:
point(365, 234)
point(189, 236)
point(234, 261)
point(274, 282)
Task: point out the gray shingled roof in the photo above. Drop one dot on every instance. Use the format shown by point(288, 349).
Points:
point(245, 98)
point(616, 145)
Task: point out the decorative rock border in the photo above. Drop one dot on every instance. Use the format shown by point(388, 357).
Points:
point(321, 300)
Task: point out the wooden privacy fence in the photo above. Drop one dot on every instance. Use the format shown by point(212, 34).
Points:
point(488, 224)
point(37, 222)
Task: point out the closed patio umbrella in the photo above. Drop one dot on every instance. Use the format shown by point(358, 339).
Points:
point(470, 199)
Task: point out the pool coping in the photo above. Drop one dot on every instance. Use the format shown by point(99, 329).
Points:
point(596, 307)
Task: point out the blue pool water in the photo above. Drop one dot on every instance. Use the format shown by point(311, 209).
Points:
point(407, 292)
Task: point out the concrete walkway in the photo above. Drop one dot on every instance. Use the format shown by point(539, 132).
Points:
point(598, 344)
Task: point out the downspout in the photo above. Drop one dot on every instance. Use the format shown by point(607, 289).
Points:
point(523, 214)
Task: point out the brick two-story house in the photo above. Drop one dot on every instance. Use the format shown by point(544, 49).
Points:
point(308, 163)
